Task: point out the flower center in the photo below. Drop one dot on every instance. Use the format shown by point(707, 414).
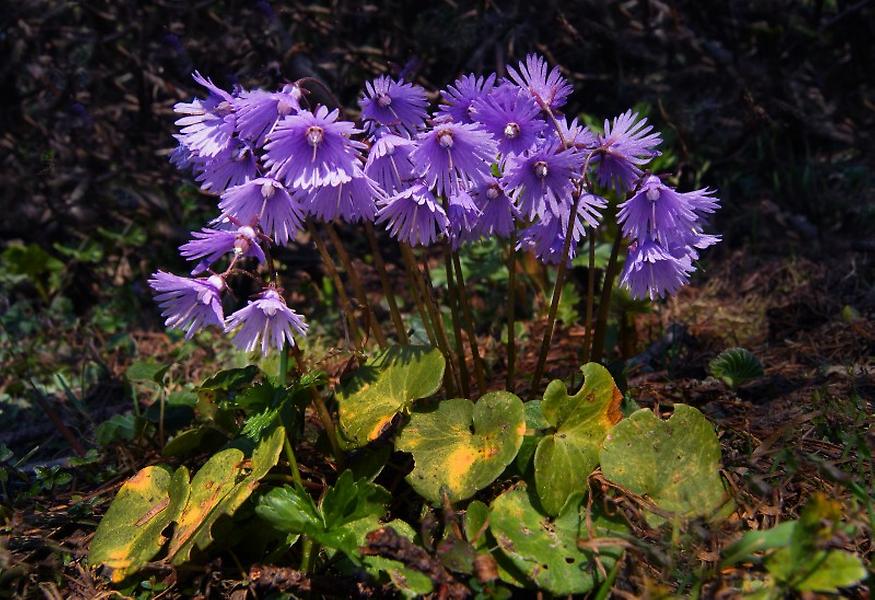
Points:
point(653, 194)
point(541, 169)
point(384, 99)
point(315, 135)
point(267, 190)
point(224, 107)
point(493, 191)
point(445, 138)
point(511, 130)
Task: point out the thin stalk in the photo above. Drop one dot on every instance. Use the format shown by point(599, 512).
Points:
point(452, 379)
point(357, 287)
point(557, 295)
point(438, 322)
point(161, 416)
point(601, 324)
point(380, 264)
point(590, 295)
point(511, 310)
point(345, 305)
point(468, 320)
point(414, 283)
point(321, 410)
point(308, 549)
point(287, 443)
point(453, 301)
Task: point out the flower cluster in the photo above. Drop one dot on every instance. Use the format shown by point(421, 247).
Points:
point(496, 158)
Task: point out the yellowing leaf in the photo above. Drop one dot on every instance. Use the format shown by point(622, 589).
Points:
point(460, 446)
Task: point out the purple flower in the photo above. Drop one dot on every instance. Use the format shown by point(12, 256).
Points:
point(659, 212)
point(188, 304)
point(232, 166)
point(543, 180)
point(394, 103)
point(546, 239)
point(497, 210)
point(263, 201)
point(209, 123)
point(623, 148)
point(549, 89)
point(652, 271)
point(212, 244)
point(459, 96)
point(352, 200)
point(575, 135)
point(512, 117)
point(268, 319)
point(462, 214)
point(182, 157)
point(312, 149)
point(451, 155)
point(414, 216)
point(258, 111)
point(389, 161)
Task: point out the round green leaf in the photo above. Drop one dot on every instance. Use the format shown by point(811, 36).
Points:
point(566, 458)
point(461, 446)
point(675, 462)
point(385, 385)
point(735, 366)
point(130, 533)
point(546, 549)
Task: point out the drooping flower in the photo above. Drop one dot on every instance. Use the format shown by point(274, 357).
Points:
point(651, 271)
point(266, 321)
point(232, 166)
point(543, 180)
point(182, 157)
point(389, 162)
point(462, 214)
point(546, 239)
point(624, 147)
point(451, 155)
point(209, 245)
point(546, 85)
point(311, 149)
point(266, 202)
point(259, 110)
point(459, 96)
point(658, 211)
point(497, 210)
point(188, 304)
point(512, 117)
point(394, 104)
point(208, 124)
point(352, 200)
point(414, 216)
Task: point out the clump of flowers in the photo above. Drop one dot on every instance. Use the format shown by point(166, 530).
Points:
point(496, 158)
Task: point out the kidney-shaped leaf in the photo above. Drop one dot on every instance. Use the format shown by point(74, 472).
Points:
point(130, 533)
point(461, 446)
point(676, 463)
point(565, 458)
point(385, 385)
point(548, 550)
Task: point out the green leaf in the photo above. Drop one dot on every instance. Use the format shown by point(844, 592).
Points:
point(566, 458)
point(410, 582)
point(823, 570)
point(478, 535)
point(676, 463)
point(230, 379)
point(735, 367)
point(546, 549)
point(334, 523)
point(118, 428)
point(146, 371)
point(535, 424)
point(219, 488)
point(130, 533)
point(460, 446)
point(385, 385)
point(758, 541)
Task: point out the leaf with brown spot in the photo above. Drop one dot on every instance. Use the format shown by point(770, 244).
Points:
point(130, 533)
point(566, 458)
point(461, 446)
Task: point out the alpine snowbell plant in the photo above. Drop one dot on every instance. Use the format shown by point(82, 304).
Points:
point(496, 159)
